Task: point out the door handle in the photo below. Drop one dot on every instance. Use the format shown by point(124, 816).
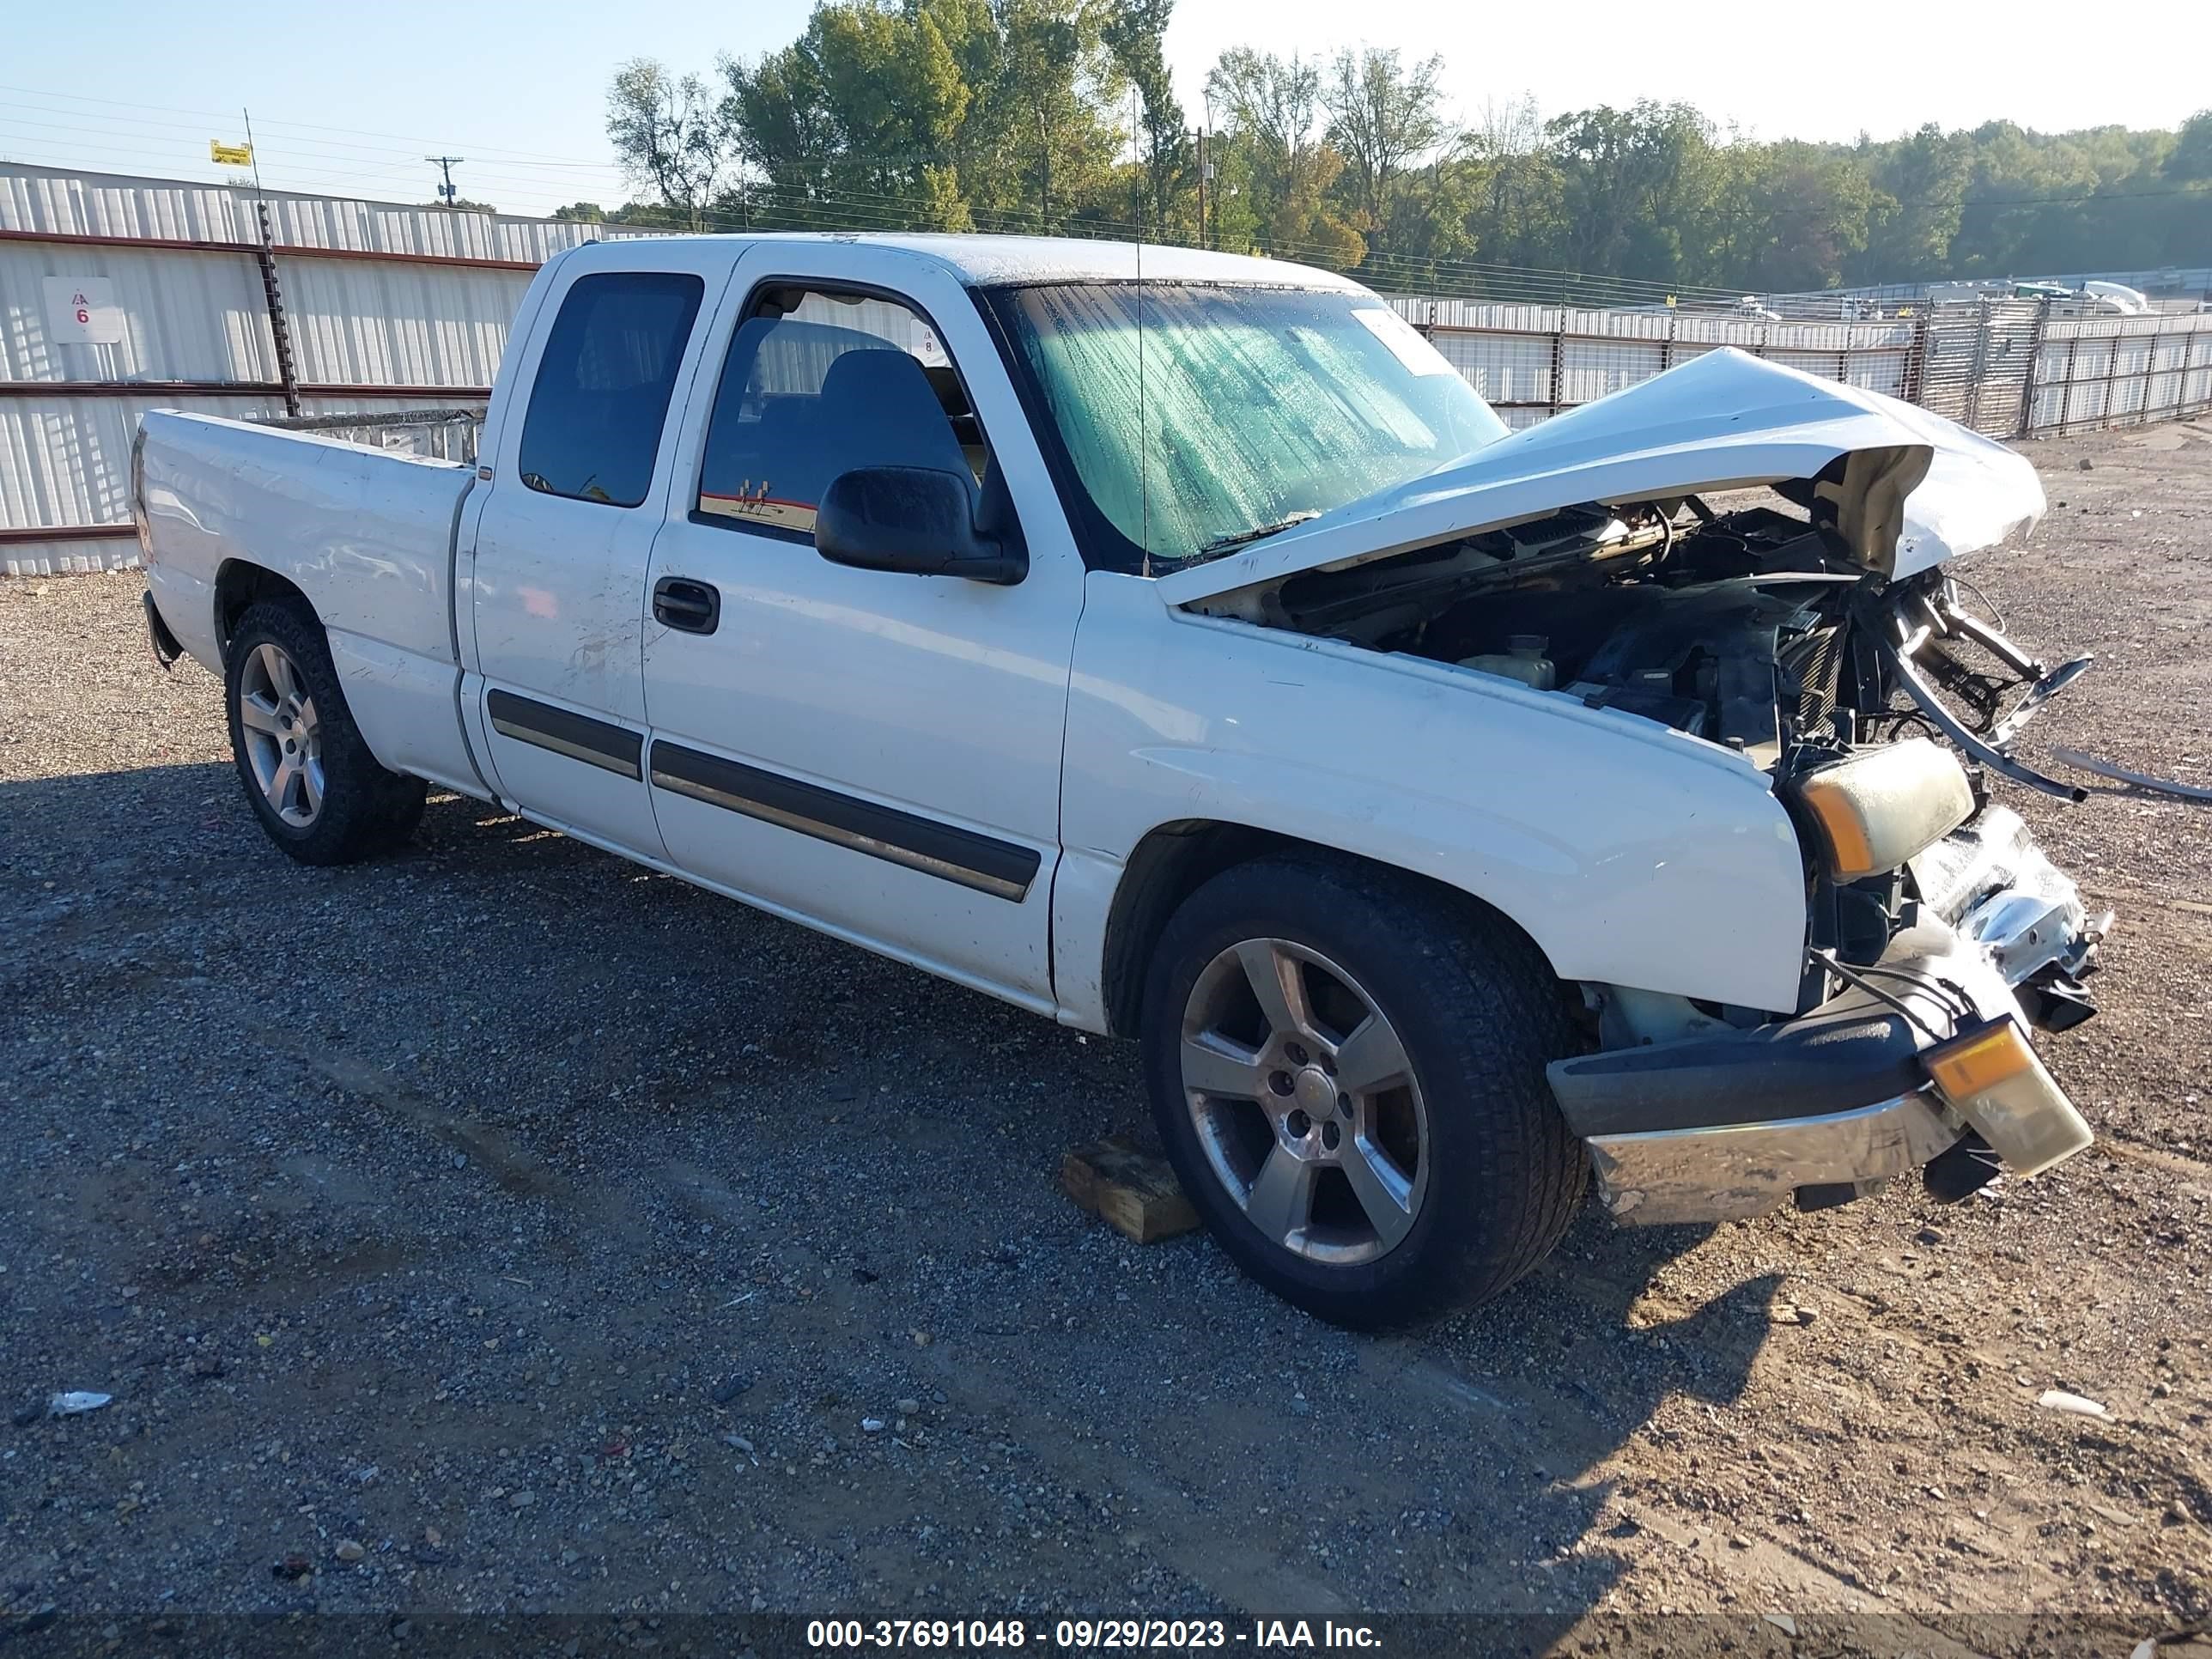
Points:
point(694, 606)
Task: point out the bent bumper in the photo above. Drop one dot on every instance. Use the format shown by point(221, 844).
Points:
point(1731, 1172)
point(1735, 1123)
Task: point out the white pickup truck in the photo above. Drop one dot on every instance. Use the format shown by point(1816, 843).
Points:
point(1174, 645)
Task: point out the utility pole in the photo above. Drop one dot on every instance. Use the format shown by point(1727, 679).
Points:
point(1204, 168)
point(1044, 172)
point(1205, 177)
point(1137, 162)
point(448, 193)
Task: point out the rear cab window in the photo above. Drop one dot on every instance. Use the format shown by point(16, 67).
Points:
point(819, 382)
point(604, 381)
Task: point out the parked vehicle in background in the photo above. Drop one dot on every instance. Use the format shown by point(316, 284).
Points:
point(2129, 302)
point(1174, 645)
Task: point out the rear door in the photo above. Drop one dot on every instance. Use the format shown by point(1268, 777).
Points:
point(873, 752)
point(556, 577)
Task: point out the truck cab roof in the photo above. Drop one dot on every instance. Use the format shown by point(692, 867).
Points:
point(1009, 261)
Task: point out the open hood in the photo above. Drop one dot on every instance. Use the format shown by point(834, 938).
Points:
point(1916, 489)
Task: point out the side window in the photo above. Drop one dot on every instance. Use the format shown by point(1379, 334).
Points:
point(602, 384)
point(817, 383)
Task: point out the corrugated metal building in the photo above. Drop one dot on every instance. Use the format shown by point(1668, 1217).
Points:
point(387, 307)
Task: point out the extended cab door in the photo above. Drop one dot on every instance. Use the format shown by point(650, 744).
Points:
point(556, 576)
point(876, 753)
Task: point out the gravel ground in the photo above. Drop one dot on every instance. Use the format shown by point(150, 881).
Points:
point(501, 1227)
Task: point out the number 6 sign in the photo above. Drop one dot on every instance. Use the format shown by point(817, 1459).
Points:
point(81, 311)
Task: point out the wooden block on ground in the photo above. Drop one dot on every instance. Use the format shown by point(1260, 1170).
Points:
point(1131, 1191)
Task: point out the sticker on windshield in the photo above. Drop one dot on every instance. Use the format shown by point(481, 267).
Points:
point(1405, 341)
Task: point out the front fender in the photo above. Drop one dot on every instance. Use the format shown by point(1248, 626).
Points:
point(1630, 853)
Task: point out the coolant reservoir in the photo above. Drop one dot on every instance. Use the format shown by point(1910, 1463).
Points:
point(1523, 660)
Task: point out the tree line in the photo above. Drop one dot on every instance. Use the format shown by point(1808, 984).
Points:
point(1059, 115)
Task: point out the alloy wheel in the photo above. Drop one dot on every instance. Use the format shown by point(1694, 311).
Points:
point(283, 737)
point(1305, 1101)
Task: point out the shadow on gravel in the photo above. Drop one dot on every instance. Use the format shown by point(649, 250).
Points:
point(1546, 1386)
point(713, 1147)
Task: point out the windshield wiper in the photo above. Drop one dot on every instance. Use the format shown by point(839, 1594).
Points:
point(1222, 544)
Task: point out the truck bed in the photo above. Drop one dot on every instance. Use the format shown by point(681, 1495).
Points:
point(367, 535)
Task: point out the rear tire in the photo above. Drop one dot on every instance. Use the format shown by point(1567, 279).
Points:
point(318, 792)
point(1373, 1138)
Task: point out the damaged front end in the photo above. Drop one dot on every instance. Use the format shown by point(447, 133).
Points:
point(1818, 632)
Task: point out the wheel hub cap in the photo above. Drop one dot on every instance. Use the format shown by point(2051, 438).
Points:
point(1304, 1100)
point(282, 736)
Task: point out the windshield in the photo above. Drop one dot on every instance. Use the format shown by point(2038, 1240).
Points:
point(1258, 408)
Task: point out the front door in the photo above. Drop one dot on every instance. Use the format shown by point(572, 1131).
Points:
point(556, 572)
point(876, 753)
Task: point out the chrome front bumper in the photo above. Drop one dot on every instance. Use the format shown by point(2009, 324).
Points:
point(1737, 1170)
point(1723, 1126)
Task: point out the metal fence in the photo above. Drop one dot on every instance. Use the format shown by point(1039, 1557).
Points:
point(380, 322)
point(2010, 368)
point(2119, 371)
point(1531, 361)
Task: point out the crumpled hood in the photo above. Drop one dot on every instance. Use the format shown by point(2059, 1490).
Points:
point(1917, 489)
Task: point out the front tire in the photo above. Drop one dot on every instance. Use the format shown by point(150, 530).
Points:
point(1347, 1072)
point(317, 790)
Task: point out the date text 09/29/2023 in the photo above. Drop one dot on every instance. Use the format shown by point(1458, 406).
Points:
point(1171, 1635)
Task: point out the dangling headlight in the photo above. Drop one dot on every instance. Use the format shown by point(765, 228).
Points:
point(1876, 810)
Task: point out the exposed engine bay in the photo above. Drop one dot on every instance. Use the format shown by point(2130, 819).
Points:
point(1743, 627)
point(1754, 629)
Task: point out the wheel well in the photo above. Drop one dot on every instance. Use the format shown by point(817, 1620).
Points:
point(239, 584)
point(1172, 862)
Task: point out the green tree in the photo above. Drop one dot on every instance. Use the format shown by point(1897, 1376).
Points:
point(937, 114)
point(863, 112)
point(1382, 117)
point(2191, 158)
point(1273, 111)
point(1919, 186)
point(1516, 192)
point(667, 133)
point(1815, 205)
point(1644, 192)
point(1134, 33)
point(1061, 115)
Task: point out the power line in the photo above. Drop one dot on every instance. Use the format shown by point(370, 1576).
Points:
point(148, 158)
point(216, 115)
point(310, 152)
point(312, 146)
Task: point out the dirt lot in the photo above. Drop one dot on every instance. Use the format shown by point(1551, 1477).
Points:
point(502, 1227)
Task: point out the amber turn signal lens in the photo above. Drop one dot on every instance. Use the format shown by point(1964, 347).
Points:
point(1991, 1076)
point(1980, 1060)
point(1850, 854)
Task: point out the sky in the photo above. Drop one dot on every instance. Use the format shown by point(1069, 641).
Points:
point(347, 101)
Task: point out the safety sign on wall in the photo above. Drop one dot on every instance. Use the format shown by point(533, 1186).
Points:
point(81, 311)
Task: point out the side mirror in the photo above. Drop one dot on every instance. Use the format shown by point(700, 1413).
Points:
point(913, 520)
